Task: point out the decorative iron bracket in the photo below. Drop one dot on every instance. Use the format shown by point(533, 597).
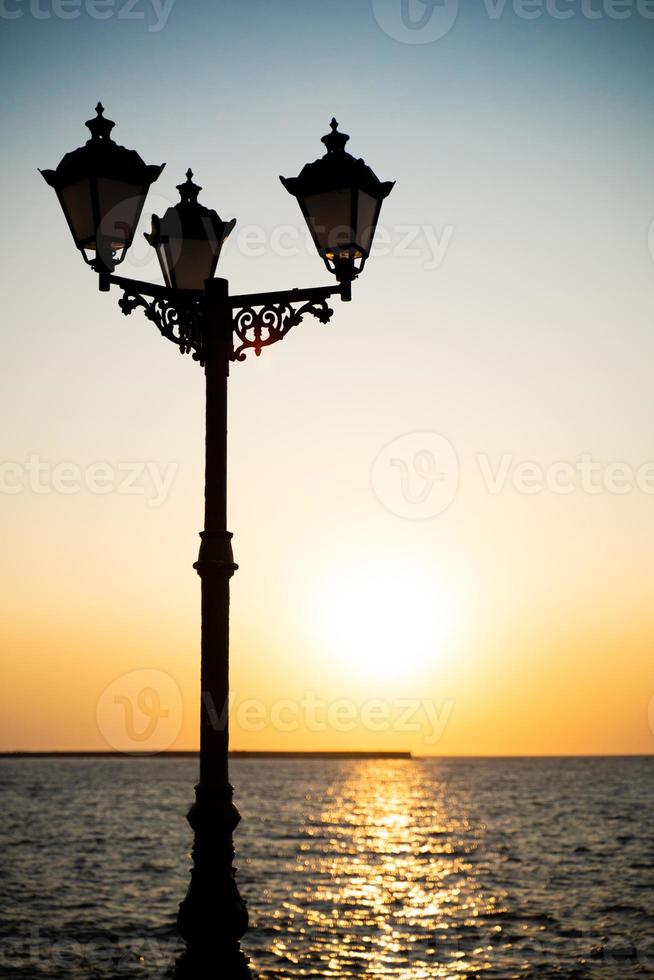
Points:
point(178, 316)
point(258, 319)
point(178, 320)
point(259, 328)
point(262, 319)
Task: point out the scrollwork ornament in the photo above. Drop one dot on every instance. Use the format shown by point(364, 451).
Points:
point(255, 324)
point(259, 328)
point(179, 321)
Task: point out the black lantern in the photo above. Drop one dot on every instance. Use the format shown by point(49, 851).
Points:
point(102, 188)
point(188, 239)
point(340, 198)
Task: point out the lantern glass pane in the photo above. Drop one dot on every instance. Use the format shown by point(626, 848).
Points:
point(120, 207)
point(195, 261)
point(76, 200)
point(162, 255)
point(330, 218)
point(366, 217)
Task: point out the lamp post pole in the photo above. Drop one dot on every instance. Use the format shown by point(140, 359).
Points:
point(213, 917)
point(101, 188)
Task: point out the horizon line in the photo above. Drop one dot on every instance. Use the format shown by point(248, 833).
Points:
point(316, 754)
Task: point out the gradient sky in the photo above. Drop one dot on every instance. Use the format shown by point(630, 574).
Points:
point(525, 148)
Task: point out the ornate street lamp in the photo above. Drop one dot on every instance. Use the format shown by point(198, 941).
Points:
point(340, 198)
point(188, 239)
point(102, 188)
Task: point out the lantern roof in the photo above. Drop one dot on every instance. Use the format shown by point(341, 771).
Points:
point(335, 170)
point(102, 157)
point(188, 218)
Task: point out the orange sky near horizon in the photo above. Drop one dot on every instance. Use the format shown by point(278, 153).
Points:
point(441, 501)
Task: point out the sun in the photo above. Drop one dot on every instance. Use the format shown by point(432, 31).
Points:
point(385, 617)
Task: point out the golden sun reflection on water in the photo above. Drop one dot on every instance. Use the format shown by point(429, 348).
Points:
point(393, 860)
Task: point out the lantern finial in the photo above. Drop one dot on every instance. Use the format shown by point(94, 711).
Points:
point(99, 126)
point(188, 191)
point(335, 141)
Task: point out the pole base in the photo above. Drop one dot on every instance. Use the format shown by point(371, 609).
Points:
point(213, 917)
point(214, 964)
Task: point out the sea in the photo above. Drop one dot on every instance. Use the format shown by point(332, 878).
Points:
point(405, 868)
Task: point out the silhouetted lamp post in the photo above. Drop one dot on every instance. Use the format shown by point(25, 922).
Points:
point(102, 189)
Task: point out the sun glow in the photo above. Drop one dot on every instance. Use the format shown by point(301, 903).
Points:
point(386, 617)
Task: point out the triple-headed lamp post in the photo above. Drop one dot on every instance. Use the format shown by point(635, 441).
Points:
point(102, 189)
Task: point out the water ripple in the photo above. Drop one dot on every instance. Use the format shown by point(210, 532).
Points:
point(507, 869)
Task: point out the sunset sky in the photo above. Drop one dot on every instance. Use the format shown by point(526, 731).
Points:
point(481, 607)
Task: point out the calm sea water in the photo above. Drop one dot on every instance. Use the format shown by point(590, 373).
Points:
point(407, 869)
